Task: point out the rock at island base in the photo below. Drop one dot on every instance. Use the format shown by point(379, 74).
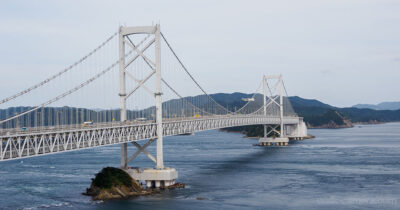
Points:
point(114, 183)
point(176, 185)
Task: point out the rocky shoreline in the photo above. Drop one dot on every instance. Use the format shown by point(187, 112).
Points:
point(347, 125)
point(309, 136)
point(371, 122)
point(332, 125)
point(115, 183)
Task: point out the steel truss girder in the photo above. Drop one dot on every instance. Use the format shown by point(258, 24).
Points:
point(36, 144)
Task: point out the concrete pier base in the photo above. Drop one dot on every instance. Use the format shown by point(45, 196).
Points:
point(280, 141)
point(154, 177)
point(298, 138)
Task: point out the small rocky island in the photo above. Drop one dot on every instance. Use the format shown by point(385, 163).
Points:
point(115, 183)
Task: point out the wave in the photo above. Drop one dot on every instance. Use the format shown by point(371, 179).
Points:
point(52, 205)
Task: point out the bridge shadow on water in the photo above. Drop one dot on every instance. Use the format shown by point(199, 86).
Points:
point(262, 154)
point(243, 161)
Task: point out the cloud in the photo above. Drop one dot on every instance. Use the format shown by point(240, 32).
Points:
point(326, 71)
point(305, 40)
point(30, 27)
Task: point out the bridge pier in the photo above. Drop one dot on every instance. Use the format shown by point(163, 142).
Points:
point(124, 155)
point(279, 141)
point(154, 178)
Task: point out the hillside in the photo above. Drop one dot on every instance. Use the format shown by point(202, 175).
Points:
point(315, 113)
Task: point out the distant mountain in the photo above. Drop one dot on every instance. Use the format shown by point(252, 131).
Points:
point(230, 98)
point(297, 101)
point(315, 113)
point(365, 106)
point(381, 106)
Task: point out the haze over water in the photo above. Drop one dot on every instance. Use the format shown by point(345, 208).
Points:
point(354, 168)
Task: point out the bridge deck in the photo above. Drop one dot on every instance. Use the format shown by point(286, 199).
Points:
point(33, 142)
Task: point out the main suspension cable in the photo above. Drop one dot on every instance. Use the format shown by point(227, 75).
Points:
point(284, 87)
point(255, 92)
point(190, 75)
point(67, 92)
point(183, 98)
point(59, 73)
point(63, 94)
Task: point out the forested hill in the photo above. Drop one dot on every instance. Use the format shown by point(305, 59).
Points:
point(318, 114)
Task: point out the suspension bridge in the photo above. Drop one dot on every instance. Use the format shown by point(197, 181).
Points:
point(155, 98)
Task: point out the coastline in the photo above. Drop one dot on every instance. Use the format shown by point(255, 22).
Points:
point(347, 124)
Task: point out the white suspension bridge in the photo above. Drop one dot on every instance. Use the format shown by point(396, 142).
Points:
point(150, 106)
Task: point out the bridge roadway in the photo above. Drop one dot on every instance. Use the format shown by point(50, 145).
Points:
point(17, 144)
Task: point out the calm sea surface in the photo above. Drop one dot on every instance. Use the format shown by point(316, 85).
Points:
point(356, 168)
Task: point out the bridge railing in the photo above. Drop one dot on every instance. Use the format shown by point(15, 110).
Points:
point(77, 127)
point(54, 141)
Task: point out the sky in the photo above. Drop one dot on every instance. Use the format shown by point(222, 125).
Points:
point(342, 52)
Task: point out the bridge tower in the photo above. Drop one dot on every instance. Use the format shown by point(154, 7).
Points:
point(159, 175)
point(273, 97)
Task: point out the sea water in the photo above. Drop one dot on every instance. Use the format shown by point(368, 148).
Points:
point(355, 168)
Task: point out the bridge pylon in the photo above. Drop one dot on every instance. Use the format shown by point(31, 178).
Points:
point(273, 96)
point(159, 176)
